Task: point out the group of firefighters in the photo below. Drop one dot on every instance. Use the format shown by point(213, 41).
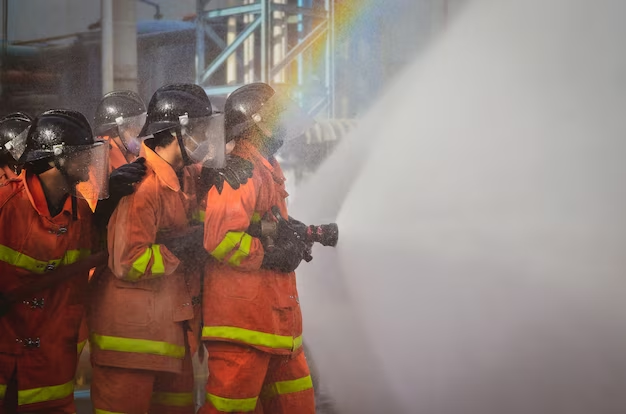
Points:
point(167, 196)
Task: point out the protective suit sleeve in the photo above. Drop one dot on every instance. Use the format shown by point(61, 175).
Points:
point(227, 218)
point(133, 252)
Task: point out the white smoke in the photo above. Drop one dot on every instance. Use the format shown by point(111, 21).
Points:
point(482, 235)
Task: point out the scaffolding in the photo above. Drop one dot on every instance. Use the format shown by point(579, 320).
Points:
point(286, 43)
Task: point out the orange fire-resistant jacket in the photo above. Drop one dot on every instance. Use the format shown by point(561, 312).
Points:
point(6, 174)
point(141, 301)
point(241, 302)
point(39, 337)
point(116, 156)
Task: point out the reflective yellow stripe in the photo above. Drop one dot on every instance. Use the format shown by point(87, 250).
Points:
point(256, 217)
point(242, 252)
point(173, 399)
point(140, 265)
point(231, 241)
point(23, 261)
point(139, 346)
point(297, 342)
point(158, 268)
point(252, 337)
point(80, 347)
point(37, 395)
point(287, 387)
point(98, 411)
point(3, 390)
point(232, 405)
point(199, 216)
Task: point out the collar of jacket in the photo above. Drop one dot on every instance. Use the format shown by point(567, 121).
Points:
point(116, 154)
point(161, 168)
point(246, 150)
point(34, 190)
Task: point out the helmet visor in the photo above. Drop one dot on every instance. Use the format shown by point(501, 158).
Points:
point(282, 119)
point(17, 145)
point(203, 139)
point(88, 167)
point(129, 129)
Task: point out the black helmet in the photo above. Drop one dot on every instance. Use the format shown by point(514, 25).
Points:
point(117, 104)
point(171, 102)
point(53, 130)
point(241, 105)
point(11, 126)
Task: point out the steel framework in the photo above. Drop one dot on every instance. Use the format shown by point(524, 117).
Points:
point(293, 50)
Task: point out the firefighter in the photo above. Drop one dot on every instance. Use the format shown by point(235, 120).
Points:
point(144, 302)
point(46, 223)
point(252, 319)
point(11, 126)
point(118, 120)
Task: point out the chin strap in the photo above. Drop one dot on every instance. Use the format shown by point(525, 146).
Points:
point(183, 150)
point(72, 191)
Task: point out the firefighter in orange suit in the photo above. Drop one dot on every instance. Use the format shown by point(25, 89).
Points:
point(252, 319)
point(45, 225)
point(143, 305)
point(119, 118)
point(11, 126)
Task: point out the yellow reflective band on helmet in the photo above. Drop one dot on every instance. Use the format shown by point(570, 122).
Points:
point(242, 252)
point(287, 387)
point(138, 346)
point(80, 347)
point(37, 395)
point(256, 217)
point(3, 390)
point(252, 337)
point(140, 265)
point(232, 239)
point(31, 264)
point(232, 405)
point(98, 411)
point(173, 399)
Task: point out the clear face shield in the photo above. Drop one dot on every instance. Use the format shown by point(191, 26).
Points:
point(203, 139)
point(17, 145)
point(282, 119)
point(129, 129)
point(87, 169)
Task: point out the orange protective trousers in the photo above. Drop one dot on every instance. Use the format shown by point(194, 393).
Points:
point(243, 379)
point(135, 391)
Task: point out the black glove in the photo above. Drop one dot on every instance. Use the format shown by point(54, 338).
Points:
point(122, 180)
point(236, 172)
point(121, 183)
point(186, 245)
point(284, 257)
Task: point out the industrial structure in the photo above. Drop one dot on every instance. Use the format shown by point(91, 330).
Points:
point(288, 43)
point(331, 56)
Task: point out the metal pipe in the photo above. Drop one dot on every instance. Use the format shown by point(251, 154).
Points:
point(307, 42)
point(331, 56)
point(222, 57)
point(157, 14)
point(199, 40)
point(266, 23)
point(125, 45)
point(5, 40)
point(5, 27)
point(106, 19)
point(231, 62)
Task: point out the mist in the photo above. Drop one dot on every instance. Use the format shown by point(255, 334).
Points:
point(480, 205)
